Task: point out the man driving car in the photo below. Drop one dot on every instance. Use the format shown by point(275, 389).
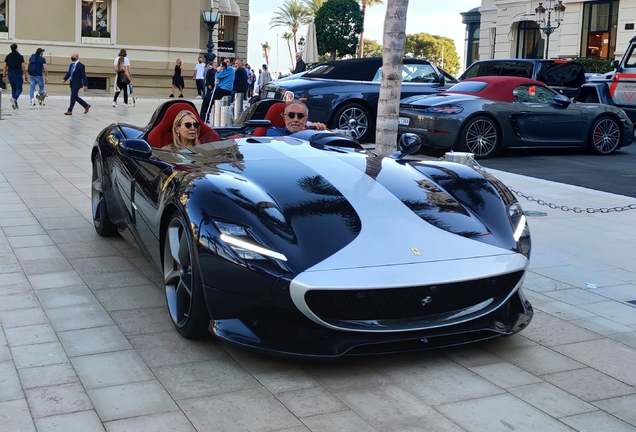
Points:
point(295, 115)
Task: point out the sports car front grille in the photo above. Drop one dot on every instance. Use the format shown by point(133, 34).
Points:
point(409, 302)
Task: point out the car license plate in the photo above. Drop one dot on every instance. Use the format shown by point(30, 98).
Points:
point(404, 121)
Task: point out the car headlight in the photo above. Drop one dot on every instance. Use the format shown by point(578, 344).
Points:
point(520, 230)
point(243, 244)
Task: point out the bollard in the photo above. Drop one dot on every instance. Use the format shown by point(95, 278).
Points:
point(238, 105)
point(0, 103)
point(226, 116)
point(217, 112)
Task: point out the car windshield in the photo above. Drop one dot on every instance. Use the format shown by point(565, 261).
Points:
point(414, 72)
point(469, 86)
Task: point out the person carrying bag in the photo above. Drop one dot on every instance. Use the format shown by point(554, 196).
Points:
point(122, 69)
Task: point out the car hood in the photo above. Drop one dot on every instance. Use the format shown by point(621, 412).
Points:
point(333, 208)
point(444, 98)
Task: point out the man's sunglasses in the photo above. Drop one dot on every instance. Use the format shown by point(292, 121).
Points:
point(293, 115)
point(188, 125)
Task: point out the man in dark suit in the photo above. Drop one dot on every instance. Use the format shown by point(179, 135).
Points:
point(300, 64)
point(77, 75)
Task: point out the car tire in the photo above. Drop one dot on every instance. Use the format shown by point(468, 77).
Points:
point(481, 137)
point(355, 118)
point(101, 221)
point(182, 280)
point(605, 136)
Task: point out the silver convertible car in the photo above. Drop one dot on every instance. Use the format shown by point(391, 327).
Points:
point(482, 115)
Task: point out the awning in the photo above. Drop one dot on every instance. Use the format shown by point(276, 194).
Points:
point(229, 8)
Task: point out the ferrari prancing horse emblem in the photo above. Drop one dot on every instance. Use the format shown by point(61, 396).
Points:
point(416, 251)
point(426, 300)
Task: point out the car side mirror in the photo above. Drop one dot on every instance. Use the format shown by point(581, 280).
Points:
point(136, 148)
point(408, 144)
point(442, 79)
point(617, 65)
point(562, 100)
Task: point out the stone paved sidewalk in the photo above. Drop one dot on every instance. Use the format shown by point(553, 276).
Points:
point(86, 343)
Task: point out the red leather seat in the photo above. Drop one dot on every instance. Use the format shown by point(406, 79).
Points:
point(161, 134)
point(275, 117)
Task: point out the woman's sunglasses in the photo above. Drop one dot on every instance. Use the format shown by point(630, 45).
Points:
point(293, 115)
point(188, 125)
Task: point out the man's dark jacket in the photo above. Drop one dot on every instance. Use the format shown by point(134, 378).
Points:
point(78, 79)
point(240, 80)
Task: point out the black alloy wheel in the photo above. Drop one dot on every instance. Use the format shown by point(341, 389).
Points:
point(182, 281)
point(481, 137)
point(102, 223)
point(605, 136)
point(354, 118)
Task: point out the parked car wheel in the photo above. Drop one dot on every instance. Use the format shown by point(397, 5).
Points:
point(182, 281)
point(481, 137)
point(354, 118)
point(101, 221)
point(605, 136)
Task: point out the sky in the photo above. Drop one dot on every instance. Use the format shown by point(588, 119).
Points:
point(435, 17)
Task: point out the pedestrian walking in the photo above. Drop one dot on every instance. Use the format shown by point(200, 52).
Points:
point(123, 76)
point(38, 74)
point(14, 72)
point(177, 78)
point(199, 76)
point(76, 76)
point(265, 78)
point(250, 82)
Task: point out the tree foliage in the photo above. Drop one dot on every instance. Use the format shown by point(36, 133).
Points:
point(338, 27)
point(313, 6)
point(372, 48)
point(436, 49)
point(292, 14)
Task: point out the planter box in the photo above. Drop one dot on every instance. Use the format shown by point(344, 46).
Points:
point(4, 36)
point(95, 40)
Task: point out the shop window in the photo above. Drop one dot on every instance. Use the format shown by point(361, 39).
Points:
point(3, 16)
point(600, 21)
point(529, 41)
point(96, 19)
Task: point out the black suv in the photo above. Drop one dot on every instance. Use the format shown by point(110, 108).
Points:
point(562, 75)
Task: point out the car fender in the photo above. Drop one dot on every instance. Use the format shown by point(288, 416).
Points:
point(600, 89)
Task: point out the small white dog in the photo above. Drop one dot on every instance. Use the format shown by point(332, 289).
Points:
point(38, 100)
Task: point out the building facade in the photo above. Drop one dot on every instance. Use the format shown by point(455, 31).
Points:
point(599, 29)
point(154, 32)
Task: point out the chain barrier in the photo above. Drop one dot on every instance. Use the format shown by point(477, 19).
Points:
point(468, 159)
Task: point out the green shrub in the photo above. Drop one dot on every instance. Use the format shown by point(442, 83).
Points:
point(4, 29)
point(594, 65)
point(105, 34)
point(95, 33)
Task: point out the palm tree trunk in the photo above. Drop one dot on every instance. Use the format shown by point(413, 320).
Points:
point(361, 46)
point(291, 57)
point(391, 84)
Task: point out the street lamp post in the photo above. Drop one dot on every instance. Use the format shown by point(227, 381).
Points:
point(301, 44)
point(210, 18)
point(546, 25)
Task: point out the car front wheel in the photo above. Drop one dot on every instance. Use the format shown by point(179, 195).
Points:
point(101, 221)
point(182, 281)
point(354, 118)
point(605, 136)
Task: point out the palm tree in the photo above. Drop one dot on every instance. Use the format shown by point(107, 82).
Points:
point(365, 3)
point(313, 6)
point(291, 14)
point(288, 38)
point(391, 84)
point(266, 49)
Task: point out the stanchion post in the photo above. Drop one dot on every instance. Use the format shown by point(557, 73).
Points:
point(1, 104)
